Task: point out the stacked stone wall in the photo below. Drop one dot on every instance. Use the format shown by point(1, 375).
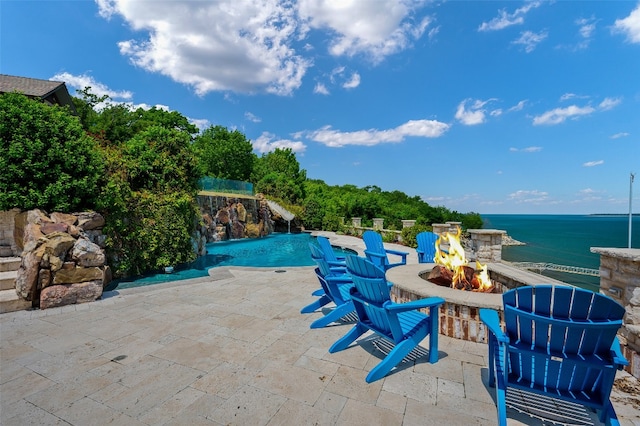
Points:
point(620, 280)
point(63, 258)
point(8, 246)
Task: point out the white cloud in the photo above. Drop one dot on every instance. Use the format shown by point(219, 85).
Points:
point(587, 27)
point(505, 19)
point(619, 135)
point(258, 46)
point(321, 89)
point(472, 112)
point(518, 107)
point(215, 46)
point(353, 82)
point(530, 40)
point(266, 143)
point(609, 103)
point(201, 123)
point(251, 117)
point(81, 81)
point(525, 196)
point(630, 26)
point(413, 128)
point(527, 149)
point(375, 28)
point(593, 163)
point(560, 115)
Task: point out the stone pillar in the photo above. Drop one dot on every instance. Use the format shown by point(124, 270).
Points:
point(408, 223)
point(620, 280)
point(453, 227)
point(487, 244)
point(357, 222)
point(440, 228)
point(8, 247)
point(378, 223)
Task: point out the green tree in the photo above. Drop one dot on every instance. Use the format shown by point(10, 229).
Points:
point(149, 201)
point(278, 174)
point(47, 160)
point(225, 154)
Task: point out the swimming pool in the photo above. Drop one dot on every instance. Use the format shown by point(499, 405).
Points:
point(272, 251)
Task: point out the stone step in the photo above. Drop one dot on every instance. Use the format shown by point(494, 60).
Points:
point(8, 280)
point(9, 263)
point(5, 251)
point(10, 302)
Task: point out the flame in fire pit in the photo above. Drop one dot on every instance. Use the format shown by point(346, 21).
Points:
point(455, 260)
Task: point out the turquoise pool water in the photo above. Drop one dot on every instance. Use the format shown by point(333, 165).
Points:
point(273, 251)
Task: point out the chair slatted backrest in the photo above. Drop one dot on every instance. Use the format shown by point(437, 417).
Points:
point(374, 244)
point(372, 292)
point(325, 274)
point(426, 246)
point(559, 330)
point(327, 249)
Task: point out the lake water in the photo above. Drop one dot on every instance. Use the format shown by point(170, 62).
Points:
point(565, 240)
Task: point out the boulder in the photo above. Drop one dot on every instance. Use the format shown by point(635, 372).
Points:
point(29, 273)
point(68, 294)
point(31, 234)
point(78, 275)
point(56, 247)
point(67, 218)
point(90, 220)
point(49, 228)
point(87, 254)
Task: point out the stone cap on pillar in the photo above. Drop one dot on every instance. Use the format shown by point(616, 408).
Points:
point(632, 254)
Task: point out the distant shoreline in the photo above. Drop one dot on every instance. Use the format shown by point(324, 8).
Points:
point(508, 241)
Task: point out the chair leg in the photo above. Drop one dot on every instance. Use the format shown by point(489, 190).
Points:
point(394, 358)
point(318, 292)
point(345, 341)
point(312, 307)
point(337, 313)
point(609, 416)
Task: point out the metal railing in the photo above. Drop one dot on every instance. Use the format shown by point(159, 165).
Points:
point(225, 185)
point(543, 266)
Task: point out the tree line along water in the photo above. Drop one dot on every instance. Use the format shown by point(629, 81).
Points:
point(565, 240)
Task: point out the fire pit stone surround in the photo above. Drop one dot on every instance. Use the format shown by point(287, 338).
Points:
point(459, 316)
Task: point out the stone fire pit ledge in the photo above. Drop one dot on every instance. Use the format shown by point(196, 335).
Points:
point(407, 279)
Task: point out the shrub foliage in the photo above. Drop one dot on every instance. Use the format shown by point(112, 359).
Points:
point(47, 161)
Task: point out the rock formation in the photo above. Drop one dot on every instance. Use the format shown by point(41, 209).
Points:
point(63, 258)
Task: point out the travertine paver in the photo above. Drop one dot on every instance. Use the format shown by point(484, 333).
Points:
point(229, 349)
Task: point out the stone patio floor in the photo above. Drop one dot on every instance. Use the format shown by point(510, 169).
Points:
point(233, 349)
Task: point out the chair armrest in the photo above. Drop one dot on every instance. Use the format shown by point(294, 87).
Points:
point(491, 319)
point(403, 254)
point(340, 279)
point(429, 302)
point(375, 254)
point(616, 354)
point(337, 263)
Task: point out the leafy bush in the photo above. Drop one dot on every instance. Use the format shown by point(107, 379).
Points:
point(149, 201)
point(153, 231)
point(409, 234)
point(47, 161)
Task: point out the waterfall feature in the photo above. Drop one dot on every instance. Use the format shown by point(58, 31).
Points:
point(282, 212)
point(233, 216)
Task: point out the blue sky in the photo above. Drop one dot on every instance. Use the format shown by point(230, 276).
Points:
point(483, 106)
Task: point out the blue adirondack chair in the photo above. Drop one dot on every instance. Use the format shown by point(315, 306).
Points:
point(426, 246)
point(332, 259)
point(336, 288)
point(400, 323)
point(560, 341)
point(377, 254)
